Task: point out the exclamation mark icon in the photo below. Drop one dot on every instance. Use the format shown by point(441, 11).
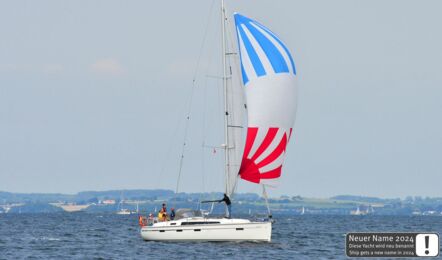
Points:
point(425, 247)
point(427, 244)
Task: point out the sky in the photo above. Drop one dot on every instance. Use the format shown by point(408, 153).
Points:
point(94, 94)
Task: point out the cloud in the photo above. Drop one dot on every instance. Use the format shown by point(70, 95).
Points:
point(107, 67)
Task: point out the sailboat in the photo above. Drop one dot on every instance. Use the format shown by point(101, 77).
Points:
point(121, 210)
point(269, 83)
point(358, 212)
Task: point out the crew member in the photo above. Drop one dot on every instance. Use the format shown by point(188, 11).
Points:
point(160, 215)
point(229, 205)
point(172, 214)
point(164, 208)
point(140, 221)
point(150, 220)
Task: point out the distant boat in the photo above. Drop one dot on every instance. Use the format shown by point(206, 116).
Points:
point(302, 210)
point(269, 82)
point(356, 212)
point(359, 212)
point(370, 209)
point(7, 209)
point(70, 207)
point(124, 212)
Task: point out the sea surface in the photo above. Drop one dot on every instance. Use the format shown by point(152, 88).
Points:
point(111, 236)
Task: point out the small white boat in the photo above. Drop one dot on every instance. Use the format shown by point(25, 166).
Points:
point(200, 228)
point(124, 212)
point(359, 212)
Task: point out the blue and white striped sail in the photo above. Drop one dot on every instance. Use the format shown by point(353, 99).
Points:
point(262, 52)
point(269, 76)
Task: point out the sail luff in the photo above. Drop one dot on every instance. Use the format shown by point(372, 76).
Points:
point(234, 107)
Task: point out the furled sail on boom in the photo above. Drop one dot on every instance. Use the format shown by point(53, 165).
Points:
point(269, 78)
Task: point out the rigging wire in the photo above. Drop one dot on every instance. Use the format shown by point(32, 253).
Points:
point(189, 107)
point(203, 42)
point(169, 149)
point(203, 133)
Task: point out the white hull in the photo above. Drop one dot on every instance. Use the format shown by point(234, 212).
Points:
point(213, 229)
point(124, 212)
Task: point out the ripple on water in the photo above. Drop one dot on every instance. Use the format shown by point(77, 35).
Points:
point(104, 236)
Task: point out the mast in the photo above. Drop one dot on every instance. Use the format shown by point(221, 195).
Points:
point(226, 113)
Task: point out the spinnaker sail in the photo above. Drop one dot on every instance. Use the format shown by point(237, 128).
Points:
point(269, 78)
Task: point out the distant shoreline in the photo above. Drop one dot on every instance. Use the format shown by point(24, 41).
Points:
point(244, 203)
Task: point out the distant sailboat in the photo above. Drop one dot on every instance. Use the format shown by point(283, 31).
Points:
point(124, 212)
point(121, 209)
point(302, 210)
point(370, 209)
point(359, 212)
point(269, 82)
point(356, 212)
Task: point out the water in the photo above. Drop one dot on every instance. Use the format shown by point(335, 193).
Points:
point(110, 236)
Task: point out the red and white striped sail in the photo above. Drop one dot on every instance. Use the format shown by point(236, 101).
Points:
point(269, 78)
